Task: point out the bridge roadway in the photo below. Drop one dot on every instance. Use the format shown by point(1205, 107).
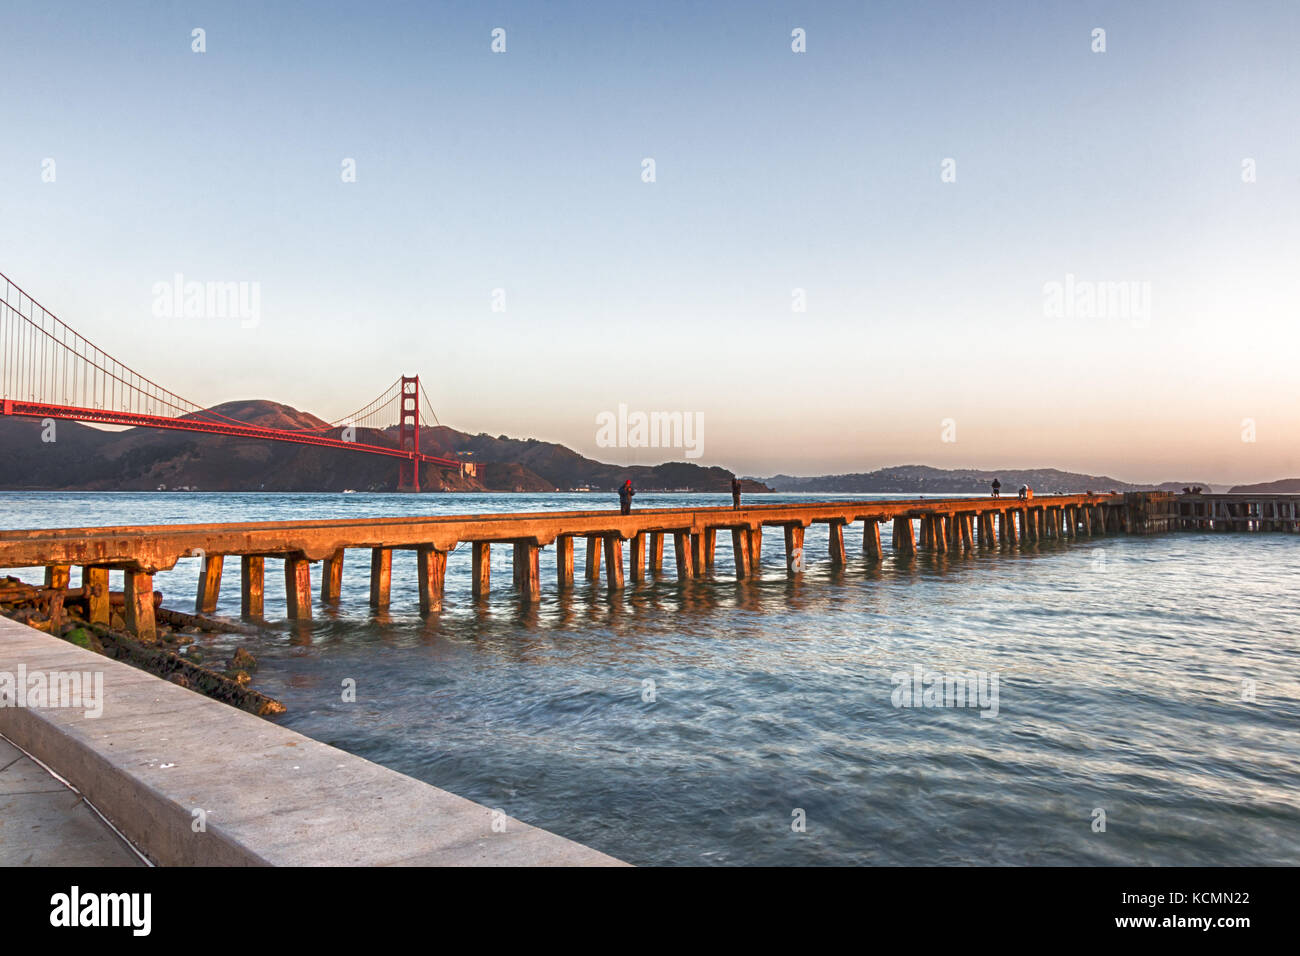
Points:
point(203, 422)
point(919, 524)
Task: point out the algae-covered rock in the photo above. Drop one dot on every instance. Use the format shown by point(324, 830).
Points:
point(239, 677)
point(243, 661)
point(85, 639)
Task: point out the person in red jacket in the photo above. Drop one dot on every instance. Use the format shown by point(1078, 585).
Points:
point(625, 494)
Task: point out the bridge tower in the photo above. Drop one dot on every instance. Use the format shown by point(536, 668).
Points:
point(408, 434)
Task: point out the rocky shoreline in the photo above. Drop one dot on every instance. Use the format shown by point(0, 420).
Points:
point(174, 656)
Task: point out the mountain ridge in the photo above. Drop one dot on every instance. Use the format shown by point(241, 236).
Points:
point(144, 459)
point(928, 479)
point(141, 459)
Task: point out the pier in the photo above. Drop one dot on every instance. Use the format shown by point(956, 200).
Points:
point(1248, 512)
point(939, 525)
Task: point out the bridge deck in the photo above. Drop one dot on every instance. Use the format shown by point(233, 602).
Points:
point(197, 422)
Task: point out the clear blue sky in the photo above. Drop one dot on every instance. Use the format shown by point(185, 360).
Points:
point(775, 171)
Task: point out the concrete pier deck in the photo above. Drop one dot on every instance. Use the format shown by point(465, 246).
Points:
point(937, 524)
point(190, 781)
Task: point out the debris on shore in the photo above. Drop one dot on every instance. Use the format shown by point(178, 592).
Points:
point(173, 657)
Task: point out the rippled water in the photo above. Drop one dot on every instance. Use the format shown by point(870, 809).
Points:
point(1121, 665)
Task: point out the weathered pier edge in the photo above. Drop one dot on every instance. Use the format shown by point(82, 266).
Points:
point(935, 525)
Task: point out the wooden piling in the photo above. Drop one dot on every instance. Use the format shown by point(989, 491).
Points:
point(205, 601)
point(252, 585)
point(297, 586)
point(331, 578)
point(938, 534)
point(431, 570)
point(528, 561)
point(682, 554)
point(794, 556)
point(381, 576)
point(656, 552)
point(904, 538)
point(98, 604)
point(740, 548)
point(838, 554)
point(564, 561)
point(593, 557)
point(871, 540)
point(139, 617)
point(481, 566)
point(710, 545)
point(697, 554)
point(755, 548)
point(614, 561)
point(637, 564)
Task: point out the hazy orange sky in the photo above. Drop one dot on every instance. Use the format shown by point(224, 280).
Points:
point(924, 180)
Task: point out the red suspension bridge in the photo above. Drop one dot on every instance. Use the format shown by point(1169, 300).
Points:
point(51, 371)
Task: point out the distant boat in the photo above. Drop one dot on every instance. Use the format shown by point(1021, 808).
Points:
point(349, 491)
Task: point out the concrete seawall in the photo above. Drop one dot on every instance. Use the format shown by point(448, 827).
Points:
point(267, 795)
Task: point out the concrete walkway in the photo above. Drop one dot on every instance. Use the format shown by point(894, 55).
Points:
point(191, 781)
point(44, 823)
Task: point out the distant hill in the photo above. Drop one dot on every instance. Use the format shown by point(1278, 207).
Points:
point(1283, 486)
point(922, 479)
point(143, 459)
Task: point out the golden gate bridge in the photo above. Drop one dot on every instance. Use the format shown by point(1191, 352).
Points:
point(51, 371)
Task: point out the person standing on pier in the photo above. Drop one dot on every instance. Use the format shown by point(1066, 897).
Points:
point(625, 494)
point(997, 488)
point(735, 493)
